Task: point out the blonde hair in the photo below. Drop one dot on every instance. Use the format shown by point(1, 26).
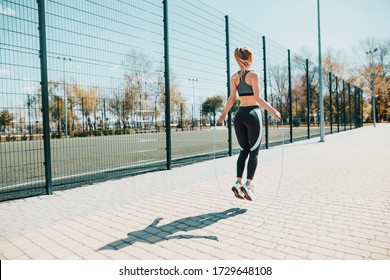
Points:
point(242, 56)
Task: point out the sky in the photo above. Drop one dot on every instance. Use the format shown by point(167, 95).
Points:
point(97, 36)
point(293, 24)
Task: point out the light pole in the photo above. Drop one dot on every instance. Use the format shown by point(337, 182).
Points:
point(146, 102)
point(29, 102)
point(64, 59)
point(155, 104)
point(322, 134)
point(193, 96)
point(373, 84)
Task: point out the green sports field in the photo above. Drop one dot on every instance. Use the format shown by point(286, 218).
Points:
point(22, 162)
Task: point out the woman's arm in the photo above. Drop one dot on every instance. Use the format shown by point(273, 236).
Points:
point(230, 102)
point(256, 90)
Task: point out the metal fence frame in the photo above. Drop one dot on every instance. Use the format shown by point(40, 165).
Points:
point(344, 105)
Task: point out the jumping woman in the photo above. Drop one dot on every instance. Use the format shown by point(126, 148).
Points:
point(247, 121)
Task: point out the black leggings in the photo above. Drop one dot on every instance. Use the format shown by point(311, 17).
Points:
point(248, 128)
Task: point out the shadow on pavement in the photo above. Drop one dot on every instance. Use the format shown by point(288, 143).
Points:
point(154, 233)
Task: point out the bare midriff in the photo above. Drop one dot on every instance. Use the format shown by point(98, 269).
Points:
point(246, 101)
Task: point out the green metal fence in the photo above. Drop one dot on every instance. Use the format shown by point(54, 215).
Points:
point(197, 63)
point(97, 90)
point(21, 146)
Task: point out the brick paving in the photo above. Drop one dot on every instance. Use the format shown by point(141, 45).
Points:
point(333, 203)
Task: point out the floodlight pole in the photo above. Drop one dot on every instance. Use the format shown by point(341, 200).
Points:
point(373, 85)
point(64, 59)
point(193, 96)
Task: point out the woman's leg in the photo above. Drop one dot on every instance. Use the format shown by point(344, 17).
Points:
point(242, 138)
point(254, 123)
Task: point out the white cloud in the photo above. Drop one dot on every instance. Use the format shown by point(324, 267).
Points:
point(7, 11)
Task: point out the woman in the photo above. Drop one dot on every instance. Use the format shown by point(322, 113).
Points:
point(248, 121)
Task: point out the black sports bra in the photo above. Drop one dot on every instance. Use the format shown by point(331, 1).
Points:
point(243, 88)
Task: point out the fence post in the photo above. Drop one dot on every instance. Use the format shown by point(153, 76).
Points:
point(358, 107)
point(290, 96)
point(337, 104)
point(341, 104)
point(344, 107)
point(104, 114)
point(361, 105)
point(45, 96)
point(330, 103)
point(200, 116)
point(181, 116)
point(358, 102)
point(360, 120)
point(58, 116)
point(167, 86)
point(82, 111)
point(265, 92)
point(349, 105)
point(308, 98)
point(355, 106)
point(228, 82)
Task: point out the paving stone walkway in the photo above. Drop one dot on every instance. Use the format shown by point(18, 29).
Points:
point(333, 203)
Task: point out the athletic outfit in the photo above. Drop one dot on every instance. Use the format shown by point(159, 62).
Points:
point(248, 128)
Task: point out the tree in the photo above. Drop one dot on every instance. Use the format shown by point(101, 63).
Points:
point(158, 90)
point(88, 100)
point(299, 89)
point(56, 104)
point(72, 102)
point(31, 100)
point(211, 106)
point(115, 105)
point(141, 90)
point(132, 98)
point(334, 63)
point(278, 81)
point(6, 119)
point(178, 108)
point(299, 98)
point(363, 73)
point(34, 101)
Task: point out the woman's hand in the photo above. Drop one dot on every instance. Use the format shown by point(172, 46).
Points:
point(221, 118)
point(276, 115)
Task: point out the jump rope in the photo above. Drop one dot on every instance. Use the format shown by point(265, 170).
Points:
point(271, 203)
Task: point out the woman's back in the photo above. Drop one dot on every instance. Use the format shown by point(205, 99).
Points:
point(249, 86)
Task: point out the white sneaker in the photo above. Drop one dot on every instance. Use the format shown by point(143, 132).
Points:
point(236, 190)
point(247, 191)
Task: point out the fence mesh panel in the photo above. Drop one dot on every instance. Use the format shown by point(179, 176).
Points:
point(106, 90)
point(21, 145)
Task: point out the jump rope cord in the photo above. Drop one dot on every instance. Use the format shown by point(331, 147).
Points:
point(263, 210)
point(215, 170)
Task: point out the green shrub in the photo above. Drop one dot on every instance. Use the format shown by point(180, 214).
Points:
point(296, 122)
point(9, 138)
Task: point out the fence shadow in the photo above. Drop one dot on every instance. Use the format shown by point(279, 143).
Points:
point(153, 233)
